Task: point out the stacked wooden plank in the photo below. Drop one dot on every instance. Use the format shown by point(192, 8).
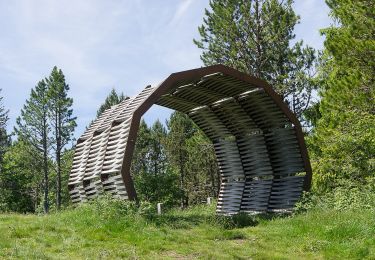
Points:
point(255, 146)
point(256, 140)
point(99, 154)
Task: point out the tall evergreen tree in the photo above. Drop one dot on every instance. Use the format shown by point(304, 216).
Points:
point(112, 99)
point(33, 128)
point(343, 143)
point(62, 121)
point(150, 153)
point(181, 128)
point(202, 175)
point(141, 150)
point(199, 175)
point(254, 36)
point(66, 165)
point(4, 137)
point(20, 178)
point(157, 153)
point(154, 177)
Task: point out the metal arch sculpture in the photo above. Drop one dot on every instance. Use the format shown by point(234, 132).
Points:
point(258, 141)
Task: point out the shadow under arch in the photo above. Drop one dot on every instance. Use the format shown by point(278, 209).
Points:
point(258, 141)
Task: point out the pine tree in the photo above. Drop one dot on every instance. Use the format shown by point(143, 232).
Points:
point(157, 153)
point(33, 128)
point(181, 128)
point(349, 69)
point(66, 165)
point(60, 114)
point(112, 99)
point(154, 177)
point(202, 174)
point(185, 144)
point(343, 143)
point(254, 36)
point(4, 137)
point(20, 178)
point(141, 150)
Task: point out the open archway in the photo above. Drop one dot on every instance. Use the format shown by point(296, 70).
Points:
point(258, 141)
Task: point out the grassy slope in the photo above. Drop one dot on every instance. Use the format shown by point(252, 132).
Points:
point(91, 232)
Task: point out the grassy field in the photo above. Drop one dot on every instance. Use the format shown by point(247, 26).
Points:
point(104, 230)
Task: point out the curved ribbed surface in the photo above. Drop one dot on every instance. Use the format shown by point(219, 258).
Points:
point(258, 142)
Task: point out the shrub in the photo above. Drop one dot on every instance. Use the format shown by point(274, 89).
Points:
point(344, 197)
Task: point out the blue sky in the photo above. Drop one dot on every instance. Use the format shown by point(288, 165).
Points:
point(100, 44)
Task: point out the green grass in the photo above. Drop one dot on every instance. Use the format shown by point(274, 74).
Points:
point(105, 230)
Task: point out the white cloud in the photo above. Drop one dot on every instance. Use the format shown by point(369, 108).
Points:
point(98, 45)
point(181, 10)
point(126, 44)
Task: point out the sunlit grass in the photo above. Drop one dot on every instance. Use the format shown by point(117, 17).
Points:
point(101, 230)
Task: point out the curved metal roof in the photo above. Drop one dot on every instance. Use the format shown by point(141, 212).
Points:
point(258, 141)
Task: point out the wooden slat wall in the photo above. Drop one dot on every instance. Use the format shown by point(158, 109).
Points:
point(256, 147)
point(100, 151)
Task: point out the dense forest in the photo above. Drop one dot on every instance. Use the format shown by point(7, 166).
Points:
point(331, 92)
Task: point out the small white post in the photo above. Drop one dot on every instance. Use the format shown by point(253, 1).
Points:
point(209, 201)
point(159, 208)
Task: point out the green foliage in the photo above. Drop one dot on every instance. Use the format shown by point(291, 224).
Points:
point(109, 208)
point(20, 178)
point(167, 166)
point(350, 60)
point(113, 229)
point(62, 121)
point(46, 123)
point(155, 180)
point(112, 99)
point(66, 165)
point(350, 51)
point(255, 37)
point(185, 145)
point(202, 178)
point(157, 155)
point(343, 143)
point(4, 138)
point(60, 109)
point(348, 196)
point(181, 128)
point(345, 152)
point(158, 188)
point(140, 154)
point(33, 127)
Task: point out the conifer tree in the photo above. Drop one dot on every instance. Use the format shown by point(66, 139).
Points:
point(343, 143)
point(203, 177)
point(157, 153)
point(255, 37)
point(141, 150)
point(4, 137)
point(33, 127)
point(181, 128)
point(20, 178)
point(61, 118)
point(112, 99)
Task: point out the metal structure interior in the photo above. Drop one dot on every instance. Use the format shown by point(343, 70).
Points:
point(259, 144)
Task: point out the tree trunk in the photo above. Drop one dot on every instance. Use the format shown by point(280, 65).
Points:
point(45, 169)
point(212, 177)
point(182, 179)
point(258, 61)
point(58, 160)
point(45, 164)
point(58, 184)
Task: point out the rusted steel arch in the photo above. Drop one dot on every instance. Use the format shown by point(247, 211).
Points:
point(258, 141)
